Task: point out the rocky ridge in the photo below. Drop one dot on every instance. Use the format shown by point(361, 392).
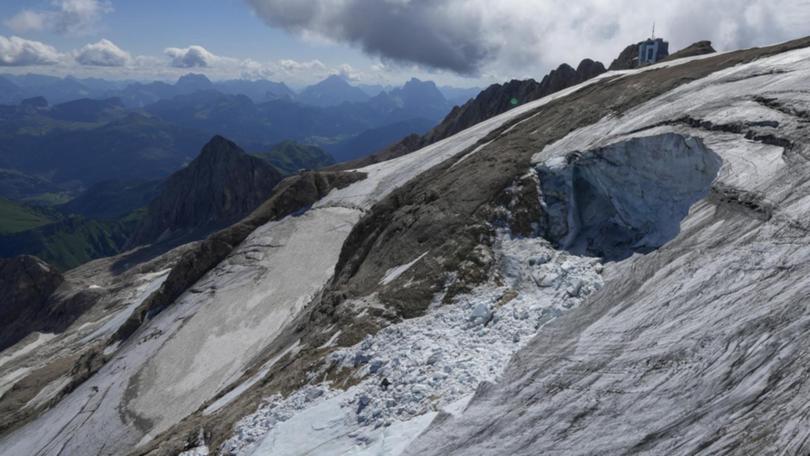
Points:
point(494, 100)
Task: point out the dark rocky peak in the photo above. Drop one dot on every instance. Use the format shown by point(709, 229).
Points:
point(588, 69)
point(218, 188)
point(627, 59)
point(26, 284)
point(416, 89)
point(417, 84)
point(218, 148)
point(27, 276)
point(194, 82)
point(559, 78)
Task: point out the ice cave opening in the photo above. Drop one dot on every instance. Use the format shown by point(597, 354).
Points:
point(625, 198)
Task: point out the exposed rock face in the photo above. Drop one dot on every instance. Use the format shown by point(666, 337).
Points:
point(70, 335)
point(26, 284)
point(699, 48)
point(627, 59)
point(496, 99)
point(222, 185)
point(500, 98)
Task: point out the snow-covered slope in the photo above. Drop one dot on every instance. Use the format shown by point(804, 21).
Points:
point(698, 347)
point(207, 339)
point(650, 176)
point(687, 174)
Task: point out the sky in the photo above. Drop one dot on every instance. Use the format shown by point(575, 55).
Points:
point(462, 43)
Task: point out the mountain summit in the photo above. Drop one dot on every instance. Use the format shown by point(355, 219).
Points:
point(332, 91)
point(222, 185)
point(193, 82)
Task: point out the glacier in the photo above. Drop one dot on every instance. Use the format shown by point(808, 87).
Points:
point(696, 347)
point(657, 307)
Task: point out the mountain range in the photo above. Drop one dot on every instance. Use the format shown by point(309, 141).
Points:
point(84, 141)
point(494, 100)
point(123, 199)
point(618, 267)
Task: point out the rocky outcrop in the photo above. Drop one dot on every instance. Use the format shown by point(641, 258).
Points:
point(699, 48)
point(496, 99)
point(627, 59)
point(222, 185)
point(26, 285)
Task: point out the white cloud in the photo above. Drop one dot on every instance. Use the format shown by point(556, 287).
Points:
point(26, 20)
point(192, 57)
point(350, 73)
point(298, 72)
point(70, 17)
point(104, 53)
point(16, 51)
point(294, 66)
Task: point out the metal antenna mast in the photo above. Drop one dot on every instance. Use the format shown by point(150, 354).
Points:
point(653, 33)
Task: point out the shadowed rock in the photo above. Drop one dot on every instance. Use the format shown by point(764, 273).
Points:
point(222, 185)
point(26, 284)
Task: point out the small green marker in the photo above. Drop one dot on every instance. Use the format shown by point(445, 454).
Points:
point(514, 101)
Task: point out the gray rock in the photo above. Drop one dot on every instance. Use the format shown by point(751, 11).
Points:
point(481, 314)
point(362, 402)
point(574, 288)
point(375, 366)
point(360, 359)
point(434, 358)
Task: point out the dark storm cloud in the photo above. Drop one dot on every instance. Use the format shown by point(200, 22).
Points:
point(467, 36)
point(439, 34)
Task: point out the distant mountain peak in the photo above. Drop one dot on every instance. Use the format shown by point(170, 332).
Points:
point(194, 81)
point(414, 82)
point(332, 91)
point(335, 80)
point(218, 146)
point(193, 77)
point(419, 92)
point(220, 186)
